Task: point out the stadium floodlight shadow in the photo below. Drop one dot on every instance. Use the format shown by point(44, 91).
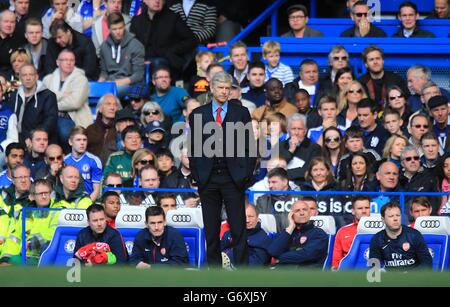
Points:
point(61, 247)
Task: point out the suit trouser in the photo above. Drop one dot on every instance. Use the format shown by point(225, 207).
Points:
point(221, 189)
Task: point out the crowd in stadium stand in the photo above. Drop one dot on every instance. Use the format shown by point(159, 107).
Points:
point(376, 132)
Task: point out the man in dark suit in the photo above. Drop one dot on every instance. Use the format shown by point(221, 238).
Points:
point(222, 160)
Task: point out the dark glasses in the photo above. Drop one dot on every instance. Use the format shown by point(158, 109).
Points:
point(330, 139)
point(360, 14)
point(394, 97)
point(342, 58)
point(145, 162)
point(416, 158)
point(114, 185)
point(59, 158)
point(359, 91)
point(155, 112)
point(420, 126)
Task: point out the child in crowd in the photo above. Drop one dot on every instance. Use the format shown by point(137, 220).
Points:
point(199, 84)
point(156, 136)
point(274, 68)
point(392, 121)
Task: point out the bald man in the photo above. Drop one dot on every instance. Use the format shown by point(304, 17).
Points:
point(71, 194)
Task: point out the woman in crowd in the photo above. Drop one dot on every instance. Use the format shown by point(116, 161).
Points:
point(394, 147)
point(348, 100)
point(443, 171)
point(333, 147)
point(140, 158)
point(152, 111)
point(397, 100)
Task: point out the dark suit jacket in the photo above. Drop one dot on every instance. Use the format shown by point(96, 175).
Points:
point(240, 168)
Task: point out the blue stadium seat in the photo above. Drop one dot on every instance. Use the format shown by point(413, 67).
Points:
point(358, 254)
point(61, 247)
point(436, 231)
point(129, 221)
point(327, 224)
point(97, 90)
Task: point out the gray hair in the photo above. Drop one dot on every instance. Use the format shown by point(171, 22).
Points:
point(408, 148)
point(430, 84)
point(337, 49)
point(102, 99)
point(422, 69)
point(221, 77)
point(151, 105)
point(6, 11)
point(19, 166)
point(296, 117)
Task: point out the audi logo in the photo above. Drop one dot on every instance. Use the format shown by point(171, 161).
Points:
point(318, 223)
point(132, 218)
point(74, 217)
point(373, 224)
point(181, 218)
point(430, 224)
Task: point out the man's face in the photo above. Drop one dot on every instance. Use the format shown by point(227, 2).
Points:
point(302, 101)
point(312, 207)
point(41, 195)
point(221, 91)
point(298, 129)
point(440, 114)
point(256, 77)
point(392, 219)
point(416, 80)
point(430, 149)
point(21, 7)
point(112, 206)
point(39, 142)
point(123, 123)
point(60, 5)
point(108, 108)
point(419, 210)
point(374, 62)
point(302, 214)
point(113, 6)
point(168, 204)
point(309, 74)
point(97, 222)
point(63, 39)
point(70, 178)
point(149, 179)
point(277, 183)
point(54, 156)
point(156, 224)
point(66, 62)
point(78, 143)
point(411, 161)
point(132, 142)
point(33, 34)
point(339, 60)
point(113, 181)
point(430, 92)
point(328, 110)
point(408, 17)
point(117, 31)
point(274, 91)
point(419, 126)
point(28, 77)
point(366, 118)
point(213, 71)
point(161, 80)
point(442, 8)
point(361, 208)
point(360, 14)
point(297, 20)
point(155, 6)
point(165, 163)
point(251, 218)
point(387, 175)
point(239, 58)
point(8, 23)
point(14, 158)
point(21, 179)
point(354, 144)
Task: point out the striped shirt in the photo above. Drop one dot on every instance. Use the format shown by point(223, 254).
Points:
point(201, 19)
point(282, 72)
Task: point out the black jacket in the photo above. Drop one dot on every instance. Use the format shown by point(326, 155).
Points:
point(85, 55)
point(110, 236)
point(166, 36)
point(416, 33)
point(373, 32)
point(7, 45)
point(389, 78)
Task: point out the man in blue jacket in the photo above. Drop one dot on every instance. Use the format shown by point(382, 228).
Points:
point(399, 246)
point(301, 243)
point(99, 231)
point(158, 243)
point(257, 239)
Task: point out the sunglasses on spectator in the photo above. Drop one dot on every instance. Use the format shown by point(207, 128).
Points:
point(330, 139)
point(342, 58)
point(359, 91)
point(391, 98)
point(145, 162)
point(59, 158)
point(416, 158)
point(420, 126)
point(361, 14)
point(110, 185)
point(155, 112)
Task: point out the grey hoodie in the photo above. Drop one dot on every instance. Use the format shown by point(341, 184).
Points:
point(123, 60)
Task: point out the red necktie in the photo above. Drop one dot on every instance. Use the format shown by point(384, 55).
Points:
point(218, 116)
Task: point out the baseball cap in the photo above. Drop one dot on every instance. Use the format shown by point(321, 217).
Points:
point(124, 114)
point(139, 91)
point(297, 7)
point(437, 101)
point(154, 126)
